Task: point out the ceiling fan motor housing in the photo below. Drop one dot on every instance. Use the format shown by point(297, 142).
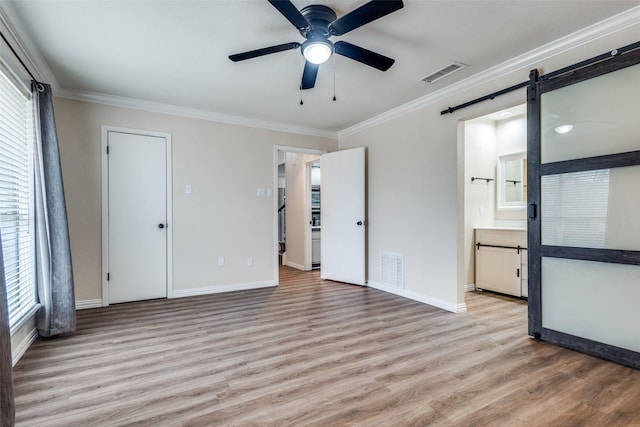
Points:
point(319, 18)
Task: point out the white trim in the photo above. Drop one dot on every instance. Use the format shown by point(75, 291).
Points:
point(88, 303)
point(104, 165)
point(105, 204)
point(469, 287)
point(18, 351)
point(454, 308)
point(295, 265)
point(194, 113)
point(588, 34)
point(181, 293)
point(26, 317)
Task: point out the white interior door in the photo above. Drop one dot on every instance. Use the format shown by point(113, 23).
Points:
point(137, 217)
point(343, 216)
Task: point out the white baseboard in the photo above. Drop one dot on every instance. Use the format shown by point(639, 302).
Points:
point(21, 348)
point(181, 293)
point(469, 287)
point(88, 303)
point(459, 308)
point(294, 265)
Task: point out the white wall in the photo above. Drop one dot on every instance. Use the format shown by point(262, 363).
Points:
point(224, 164)
point(480, 196)
point(416, 178)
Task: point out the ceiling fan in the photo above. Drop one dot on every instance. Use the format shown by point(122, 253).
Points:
point(317, 23)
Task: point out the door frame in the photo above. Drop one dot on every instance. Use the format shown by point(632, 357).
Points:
point(286, 149)
point(105, 129)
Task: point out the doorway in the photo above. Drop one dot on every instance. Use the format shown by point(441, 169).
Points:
point(295, 171)
point(136, 224)
point(495, 194)
point(343, 230)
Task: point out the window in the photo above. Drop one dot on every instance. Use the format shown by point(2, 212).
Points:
point(16, 197)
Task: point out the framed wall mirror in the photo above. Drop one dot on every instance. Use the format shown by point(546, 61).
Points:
point(511, 181)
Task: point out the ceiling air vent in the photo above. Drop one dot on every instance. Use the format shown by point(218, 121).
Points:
point(449, 69)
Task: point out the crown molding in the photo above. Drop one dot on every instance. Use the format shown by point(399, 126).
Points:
point(193, 113)
point(29, 53)
point(594, 32)
point(33, 58)
point(40, 68)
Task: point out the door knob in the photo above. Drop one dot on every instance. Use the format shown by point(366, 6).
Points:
point(359, 223)
point(160, 225)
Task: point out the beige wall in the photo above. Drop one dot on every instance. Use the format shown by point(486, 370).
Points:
point(224, 164)
point(415, 194)
point(415, 180)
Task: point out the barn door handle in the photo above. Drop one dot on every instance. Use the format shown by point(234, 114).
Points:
point(160, 225)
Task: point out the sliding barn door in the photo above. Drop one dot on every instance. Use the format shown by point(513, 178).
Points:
point(584, 212)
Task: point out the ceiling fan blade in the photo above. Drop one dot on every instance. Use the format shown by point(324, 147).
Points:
point(360, 54)
point(309, 75)
point(264, 51)
point(293, 15)
point(363, 15)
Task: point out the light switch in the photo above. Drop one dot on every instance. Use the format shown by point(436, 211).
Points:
point(260, 192)
point(221, 261)
point(269, 192)
point(187, 189)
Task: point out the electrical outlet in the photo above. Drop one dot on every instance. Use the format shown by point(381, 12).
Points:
point(220, 261)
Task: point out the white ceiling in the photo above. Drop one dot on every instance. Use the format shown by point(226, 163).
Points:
point(176, 51)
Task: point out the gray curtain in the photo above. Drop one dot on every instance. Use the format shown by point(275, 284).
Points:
point(54, 274)
point(7, 409)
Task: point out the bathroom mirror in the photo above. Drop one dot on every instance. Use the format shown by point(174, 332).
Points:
point(512, 181)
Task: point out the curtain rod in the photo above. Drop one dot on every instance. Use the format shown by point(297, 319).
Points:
point(548, 76)
point(40, 87)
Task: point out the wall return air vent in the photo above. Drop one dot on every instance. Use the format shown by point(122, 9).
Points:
point(392, 270)
point(443, 72)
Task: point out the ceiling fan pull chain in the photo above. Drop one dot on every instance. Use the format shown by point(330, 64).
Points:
point(303, 65)
point(334, 78)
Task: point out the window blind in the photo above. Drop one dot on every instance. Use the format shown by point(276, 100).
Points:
point(16, 198)
point(574, 208)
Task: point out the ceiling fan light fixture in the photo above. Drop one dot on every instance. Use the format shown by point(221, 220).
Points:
point(317, 51)
point(563, 129)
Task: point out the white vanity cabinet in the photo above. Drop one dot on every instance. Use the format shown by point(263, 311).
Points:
point(501, 260)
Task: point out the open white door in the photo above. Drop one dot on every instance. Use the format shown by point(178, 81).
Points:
point(343, 216)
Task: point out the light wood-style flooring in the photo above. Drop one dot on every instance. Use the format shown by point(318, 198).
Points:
point(315, 353)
